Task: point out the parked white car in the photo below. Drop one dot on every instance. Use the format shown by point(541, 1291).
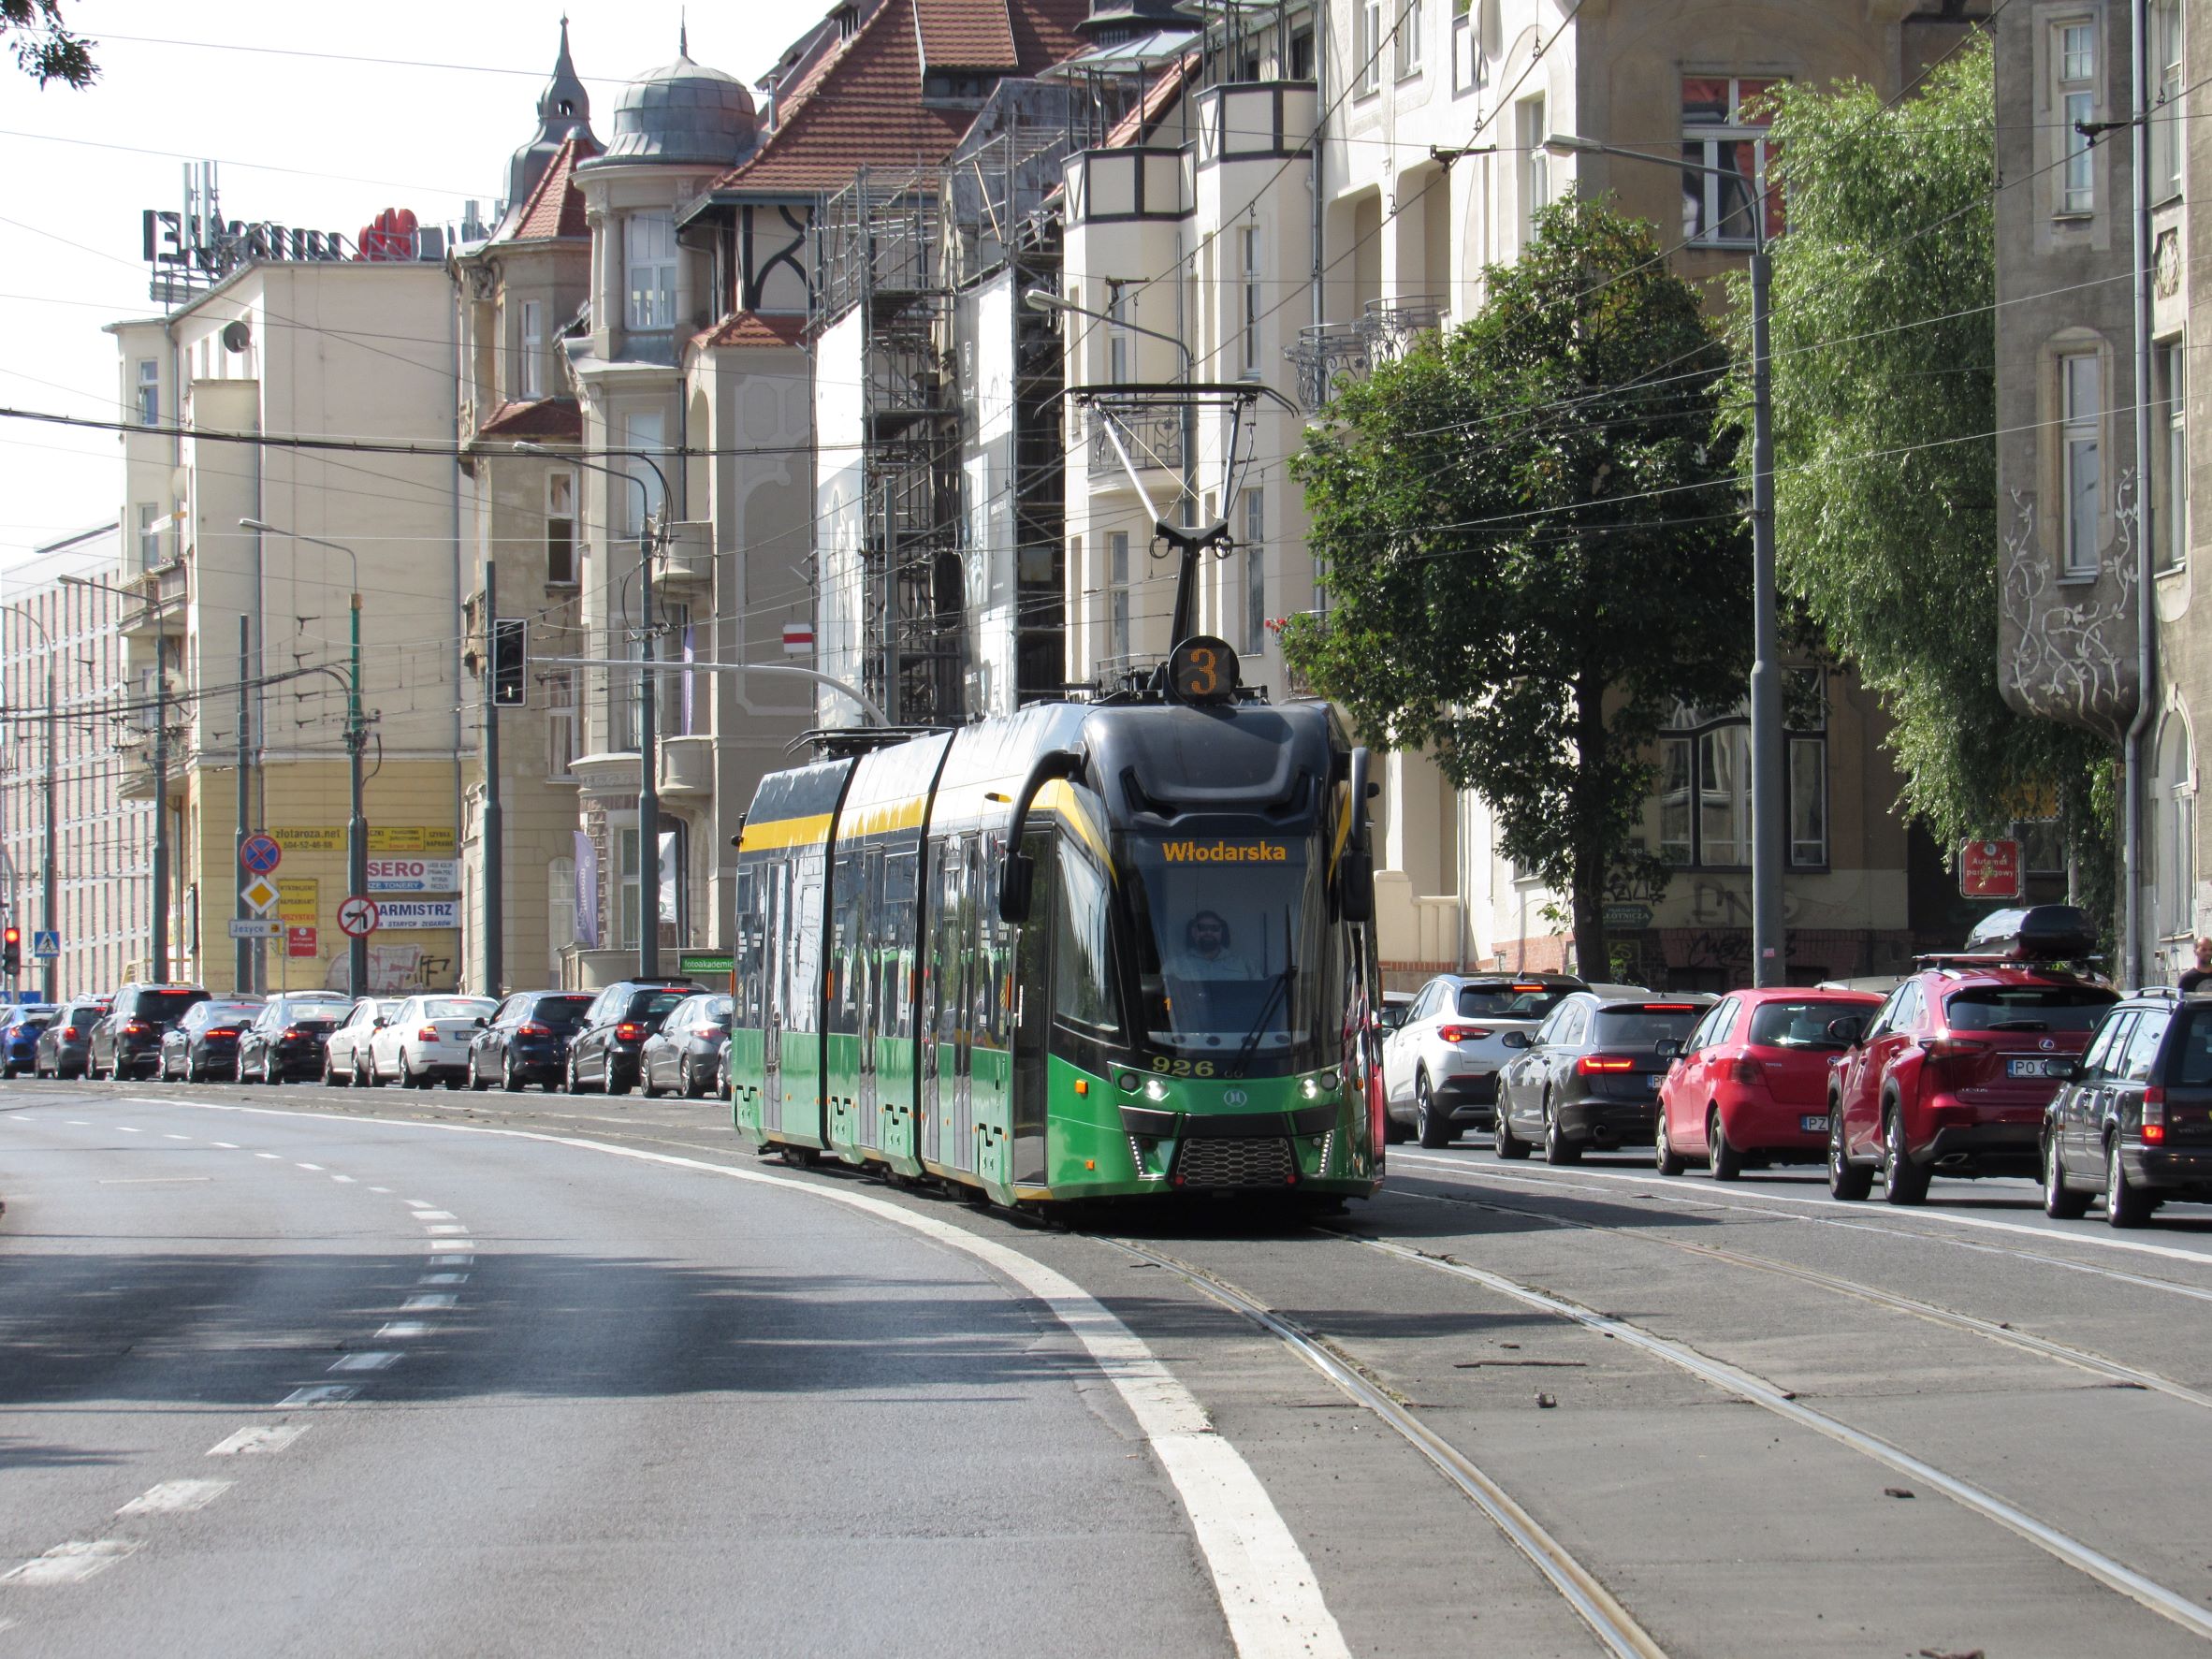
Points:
point(345, 1056)
point(426, 1040)
point(1441, 1065)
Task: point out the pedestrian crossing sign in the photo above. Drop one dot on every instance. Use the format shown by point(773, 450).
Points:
point(46, 942)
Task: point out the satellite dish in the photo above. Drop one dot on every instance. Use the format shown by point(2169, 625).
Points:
point(237, 337)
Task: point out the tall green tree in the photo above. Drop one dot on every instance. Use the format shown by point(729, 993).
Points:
point(43, 46)
point(1885, 409)
point(1535, 548)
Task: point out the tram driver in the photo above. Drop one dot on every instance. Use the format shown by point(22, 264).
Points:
point(1208, 952)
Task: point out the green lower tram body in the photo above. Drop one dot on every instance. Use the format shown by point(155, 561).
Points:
point(1113, 1135)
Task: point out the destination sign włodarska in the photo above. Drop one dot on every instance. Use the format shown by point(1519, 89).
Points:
point(1225, 851)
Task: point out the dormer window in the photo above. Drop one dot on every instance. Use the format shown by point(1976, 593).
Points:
point(648, 243)
point(847, 21)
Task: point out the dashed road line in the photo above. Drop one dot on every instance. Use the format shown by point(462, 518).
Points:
point(367, 1359)
point(435, 1300)
point(401, 1331)
point(250, 1442)
point(71, 1563)
point(320, 1394)
point(175, 1497)
point(317, 1167)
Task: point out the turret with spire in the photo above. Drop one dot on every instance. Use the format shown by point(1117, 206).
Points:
point(565, 107)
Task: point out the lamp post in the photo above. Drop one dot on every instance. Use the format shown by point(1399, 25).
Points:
point(356, 740)
point(648, 740)
point(158, 952)
point(49, 917)
point(1769, 955)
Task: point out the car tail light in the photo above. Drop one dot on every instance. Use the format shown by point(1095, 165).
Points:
point(1462, 1033)
point(291, 1034)
point(1747, 1071)
point(2154, 1117)
point(1595, 1063)
point(1945, 1048)
point(1539, 986)
point(222, 1031)
point(1671, 1008)
point(72, 1034)
point(531, 1029)
point(427, 1034)
point(707, 1030)
point(135, 1028)
point(629, 1031)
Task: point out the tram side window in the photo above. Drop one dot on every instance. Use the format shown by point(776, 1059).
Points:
point(1084, 983)
point(894, 934)
point(986, 1024)
point(747, 1011)
point(846, 975)
point(802, 912)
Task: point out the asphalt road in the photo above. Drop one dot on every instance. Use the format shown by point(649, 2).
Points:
point(320, 1371)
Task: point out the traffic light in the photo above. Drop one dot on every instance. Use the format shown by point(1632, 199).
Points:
point(12, 951)
point(510, 649)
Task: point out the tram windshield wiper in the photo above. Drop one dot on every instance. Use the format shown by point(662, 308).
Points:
point(1276, 993)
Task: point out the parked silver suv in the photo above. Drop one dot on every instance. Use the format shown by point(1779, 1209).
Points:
point(1441, 1065)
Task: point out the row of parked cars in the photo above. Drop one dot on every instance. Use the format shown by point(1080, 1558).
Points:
point(665, 1036)
point(1999, 1060)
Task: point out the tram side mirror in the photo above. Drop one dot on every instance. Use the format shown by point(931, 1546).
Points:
point(1017, 885)
point(1355, 885)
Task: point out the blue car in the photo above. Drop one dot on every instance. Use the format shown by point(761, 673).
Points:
point(19, 1037)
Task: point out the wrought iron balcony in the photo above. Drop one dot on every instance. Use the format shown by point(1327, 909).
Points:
point(1327, 355)
point(1150, 431)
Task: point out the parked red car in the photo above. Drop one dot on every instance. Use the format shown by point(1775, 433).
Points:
point(1952, 1073)
point(1751, 1081)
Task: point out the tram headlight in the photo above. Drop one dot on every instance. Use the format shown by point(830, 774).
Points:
point(1155, 1089)
point(1327, 1082)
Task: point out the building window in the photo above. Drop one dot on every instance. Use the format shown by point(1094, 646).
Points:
point(2080, 411)
point(1248, 326)
point(2165, 118)
point(561, 529)
point(560, 723)
point(1302, 55)
point(149, 392)
point(2174, 801)
point(627, 914)
point(531, 382)
point(1120, 343)
point(149, 535)
point(1409, 38)
point(2077, 103)
point(648, 243)
point(1367, 45)
point(1723, 128)
point(642, 436)
point(1255, 571)
point(1705, 795)
point(1117, 595)
point(1536, 164)
point(2172, 500)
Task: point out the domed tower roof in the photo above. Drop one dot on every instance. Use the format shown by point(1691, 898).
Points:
point(565, 107)
point(683, 112)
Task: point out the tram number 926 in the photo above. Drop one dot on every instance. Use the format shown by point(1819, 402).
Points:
point(1204, 669)
point(1163, 1065)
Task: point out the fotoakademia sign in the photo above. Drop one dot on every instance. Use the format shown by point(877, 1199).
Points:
point(404, 913)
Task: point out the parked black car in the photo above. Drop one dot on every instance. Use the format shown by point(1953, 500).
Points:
point(526, 1039)
point(19, 1037)
point(66, 1043)
point(682, 1053)
point(1589, 1076)
point(2133, 1119)
point(287, 1041)
point(202, 1046)
point(603, 1053)
point(127, 1042)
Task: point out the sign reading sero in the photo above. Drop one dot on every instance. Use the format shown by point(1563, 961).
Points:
point(417, 912)
point(414, 875)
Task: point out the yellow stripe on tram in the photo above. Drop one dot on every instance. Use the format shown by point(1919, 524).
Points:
point(785, 831)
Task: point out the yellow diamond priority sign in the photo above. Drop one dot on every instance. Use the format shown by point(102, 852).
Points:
point(259, 894)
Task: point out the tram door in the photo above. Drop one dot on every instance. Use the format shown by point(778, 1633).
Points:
point(967, 967)
point(866, 964)
point(1032, 1012)
point(775, 904)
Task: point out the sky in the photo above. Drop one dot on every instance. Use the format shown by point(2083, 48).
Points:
point(318, 114)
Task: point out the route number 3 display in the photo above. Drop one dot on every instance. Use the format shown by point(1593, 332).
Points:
point(1203, 669)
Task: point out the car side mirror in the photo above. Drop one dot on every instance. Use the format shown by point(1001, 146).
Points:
point(1848, 1030)
point(482, 1023)
point(2071, 1071)
point(1517, 1040)
point(1668, 1048)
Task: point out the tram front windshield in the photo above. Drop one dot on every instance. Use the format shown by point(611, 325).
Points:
point(1233, 961)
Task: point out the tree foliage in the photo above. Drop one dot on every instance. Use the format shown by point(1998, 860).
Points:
point(43, 46)
point(1535, 548)
point(1885, 375)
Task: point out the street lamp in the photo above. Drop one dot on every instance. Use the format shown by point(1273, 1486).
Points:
point(49, 983)
point(356, 740)
point(1769, 958)
point(159, 943)
point(649, 737)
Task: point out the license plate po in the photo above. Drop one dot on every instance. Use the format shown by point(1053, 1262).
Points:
point(2027, 1068)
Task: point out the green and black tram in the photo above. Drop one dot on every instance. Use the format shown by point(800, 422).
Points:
point(1085, 951)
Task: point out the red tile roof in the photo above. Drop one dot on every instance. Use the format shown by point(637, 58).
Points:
point(965, 35)
point(751, 327)
point(556, 206)
point(861, 105)
point(559, 418)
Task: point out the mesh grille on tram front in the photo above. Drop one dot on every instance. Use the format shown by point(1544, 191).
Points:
point(1261, 1161)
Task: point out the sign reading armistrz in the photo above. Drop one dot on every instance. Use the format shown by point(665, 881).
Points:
point(413, 875)
point(417, 912)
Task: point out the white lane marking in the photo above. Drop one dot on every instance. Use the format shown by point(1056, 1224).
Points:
point(1760, 1392)
point(271, 1155)
point(1694, 1198)
point(78, 1122)
point(1753, 1201)
point(317, 1167)
point(123, 1126)
point(227, 1146)
point(442, 1279)
point(1267, 1590)
point(175, 1497)
point(248, 1442)
point(368, 1359)
point(435, 1300)
point(383, 1189)
point(152, 1180)
point(451, 1261)
point(400, 1330)
point(166, 1136)
point(443, 1228)
point(320, 1394)
point(433, 1214)
point(418, 1203)
point(347, 1179)
point(70, 1563)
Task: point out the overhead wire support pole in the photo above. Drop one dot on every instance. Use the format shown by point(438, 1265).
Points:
point(244, 950)
point(495, 827)
point(50, 912)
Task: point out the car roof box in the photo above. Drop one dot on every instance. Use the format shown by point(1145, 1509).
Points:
point(2038, 933)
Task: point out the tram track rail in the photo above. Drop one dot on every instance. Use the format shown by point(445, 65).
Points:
point(1617, 1630)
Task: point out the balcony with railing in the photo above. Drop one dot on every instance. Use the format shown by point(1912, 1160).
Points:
point(1151, 430)
point(1328, 356)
